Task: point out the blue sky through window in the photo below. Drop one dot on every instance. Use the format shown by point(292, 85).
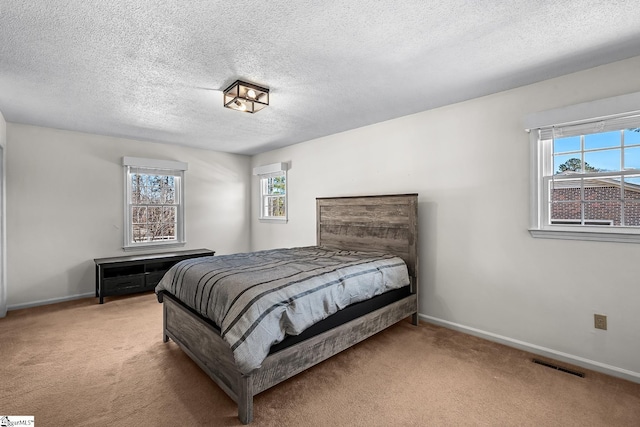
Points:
point(609, 154)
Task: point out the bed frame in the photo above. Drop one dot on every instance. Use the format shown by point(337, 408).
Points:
point(383, 223)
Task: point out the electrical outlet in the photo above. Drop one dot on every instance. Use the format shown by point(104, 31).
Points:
point(600, 321)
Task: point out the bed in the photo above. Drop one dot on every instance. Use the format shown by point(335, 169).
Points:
point(384, 225)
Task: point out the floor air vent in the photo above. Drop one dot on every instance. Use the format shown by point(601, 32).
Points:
point(558, 368)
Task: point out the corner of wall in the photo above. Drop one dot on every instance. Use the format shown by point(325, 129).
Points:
point(3, 222)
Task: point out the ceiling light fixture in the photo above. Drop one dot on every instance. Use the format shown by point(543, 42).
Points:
point(239, 105)
point(243, 96)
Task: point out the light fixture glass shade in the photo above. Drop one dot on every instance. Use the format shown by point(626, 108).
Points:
point(243, 96)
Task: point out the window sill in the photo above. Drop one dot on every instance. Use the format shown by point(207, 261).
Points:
point(280, 220)
point(153, 246)
point(590, 235)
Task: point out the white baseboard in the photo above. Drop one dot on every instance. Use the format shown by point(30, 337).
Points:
point(536, 349)
point(49, 301)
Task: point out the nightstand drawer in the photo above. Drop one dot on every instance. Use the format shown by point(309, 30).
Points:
point(123, 284)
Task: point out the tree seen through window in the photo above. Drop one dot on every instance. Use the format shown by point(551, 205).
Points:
point(153, 207)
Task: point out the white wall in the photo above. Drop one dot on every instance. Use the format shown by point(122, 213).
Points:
point(3, 224)
point(65, 206)
point(481, 271)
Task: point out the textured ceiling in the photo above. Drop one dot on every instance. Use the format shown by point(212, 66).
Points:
point(153, 70)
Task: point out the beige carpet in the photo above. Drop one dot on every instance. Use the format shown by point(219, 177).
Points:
point(84, 364)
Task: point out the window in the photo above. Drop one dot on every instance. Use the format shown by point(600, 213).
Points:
point(273, 191)
point(586, 177)
point(273, 195)
point(154, 204)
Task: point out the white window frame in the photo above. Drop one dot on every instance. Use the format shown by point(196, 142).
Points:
point(162, 167)
point(590, 112)
point(264, 173)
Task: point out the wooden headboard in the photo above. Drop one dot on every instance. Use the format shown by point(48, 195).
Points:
point(371, 223)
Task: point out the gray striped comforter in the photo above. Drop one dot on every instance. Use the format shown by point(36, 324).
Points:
point(257, 298)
